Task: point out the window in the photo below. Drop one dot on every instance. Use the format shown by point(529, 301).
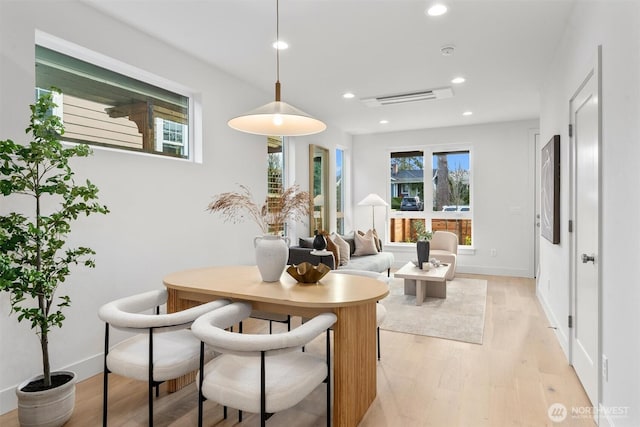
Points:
point(99, 106)
point(275, 174)
point(446, 188)
point(172, 138)
point(451, 194)
point(407, 195)
point(339, 191)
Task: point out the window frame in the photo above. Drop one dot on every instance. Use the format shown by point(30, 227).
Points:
point(428, 214)
point(194, 147)
point(405, 188)
point(282, 163)
point(341, 196)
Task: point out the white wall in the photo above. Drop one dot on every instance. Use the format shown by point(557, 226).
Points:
point(502, 190)
point(158, 222)
point(616, 27)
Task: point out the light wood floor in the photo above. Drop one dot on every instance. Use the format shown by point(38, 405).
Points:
point(510, 380)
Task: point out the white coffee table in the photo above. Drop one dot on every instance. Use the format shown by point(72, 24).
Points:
point(424, 283)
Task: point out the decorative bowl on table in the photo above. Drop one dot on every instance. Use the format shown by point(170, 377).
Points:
point(305, 272)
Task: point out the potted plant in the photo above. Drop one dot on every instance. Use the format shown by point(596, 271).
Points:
point(423, 237)
point(34, 257)
point(272, 250)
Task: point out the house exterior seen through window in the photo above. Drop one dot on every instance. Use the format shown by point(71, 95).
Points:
point(451, 198)
point(275, 176)
point(101, 107)
point(444, 185)
point(407, 195)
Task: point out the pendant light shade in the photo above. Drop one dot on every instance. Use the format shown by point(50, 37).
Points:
point(277, 118)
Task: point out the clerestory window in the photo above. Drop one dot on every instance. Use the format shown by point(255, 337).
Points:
point(103, 107)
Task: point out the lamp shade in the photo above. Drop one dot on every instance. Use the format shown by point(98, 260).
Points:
point(373, 200)
point(277, 118)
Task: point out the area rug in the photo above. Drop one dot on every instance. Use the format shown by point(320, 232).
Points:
point(459, 317)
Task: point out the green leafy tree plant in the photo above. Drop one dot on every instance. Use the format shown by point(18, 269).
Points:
point(34, 257)
point(421, 232)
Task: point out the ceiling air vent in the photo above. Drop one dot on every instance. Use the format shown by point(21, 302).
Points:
point(401, 98)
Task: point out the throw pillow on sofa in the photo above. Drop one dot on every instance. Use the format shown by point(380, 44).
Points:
point(345, 249)
point(374, 234)
point(335, 249)
point(351, 241)
point(365, 245)
point(306, 242)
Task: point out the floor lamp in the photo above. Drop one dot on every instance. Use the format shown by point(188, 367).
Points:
point(373, 200)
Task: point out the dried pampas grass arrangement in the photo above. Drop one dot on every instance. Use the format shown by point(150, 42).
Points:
point(289, 205)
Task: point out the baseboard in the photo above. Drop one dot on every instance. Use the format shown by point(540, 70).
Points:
point(84, 369)
point(492, 271)
point(562, 338)
point(470, 269)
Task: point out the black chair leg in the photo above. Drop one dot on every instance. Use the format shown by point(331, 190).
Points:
point(328, 380)
point(239, 416)
point(200, 381)
point(378, 341)
point(224, 412)
point(105, 380)
point(150, 380)
point(263, 393)
point(105, 388)
point(150, 404)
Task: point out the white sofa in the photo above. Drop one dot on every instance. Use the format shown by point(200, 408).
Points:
point(379, 263)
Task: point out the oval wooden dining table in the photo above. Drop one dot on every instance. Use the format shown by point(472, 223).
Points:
point(351, 298)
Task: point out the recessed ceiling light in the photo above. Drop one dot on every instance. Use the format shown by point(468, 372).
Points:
point(467, 113)
point(458, 80)
point(436, 10)
point(348, 95)
point(384, 122)
point(280, 45)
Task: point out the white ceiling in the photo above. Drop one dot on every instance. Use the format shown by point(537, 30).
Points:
point(372, 48)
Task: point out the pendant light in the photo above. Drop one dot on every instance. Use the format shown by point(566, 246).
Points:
point(277, 118)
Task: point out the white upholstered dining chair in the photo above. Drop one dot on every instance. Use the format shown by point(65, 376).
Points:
point(163, 347)
point(260, 373)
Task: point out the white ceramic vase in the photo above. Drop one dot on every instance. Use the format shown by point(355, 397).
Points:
point(272, 253)
point(48, 408)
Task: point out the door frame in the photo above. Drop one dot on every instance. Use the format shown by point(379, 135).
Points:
point(536, 143)
point(573, 255)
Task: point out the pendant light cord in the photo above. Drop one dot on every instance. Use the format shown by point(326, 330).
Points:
point(277, 50)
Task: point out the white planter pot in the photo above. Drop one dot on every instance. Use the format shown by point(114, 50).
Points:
point(48, 408)
point(272, 253)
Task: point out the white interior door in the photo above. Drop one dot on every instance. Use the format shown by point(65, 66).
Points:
point(585, 120)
